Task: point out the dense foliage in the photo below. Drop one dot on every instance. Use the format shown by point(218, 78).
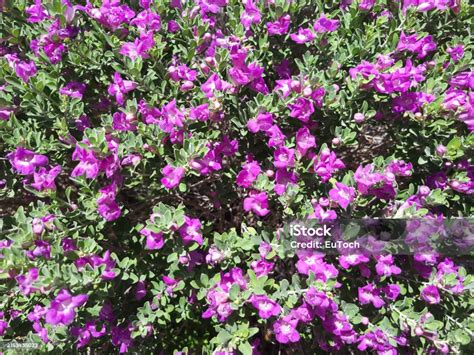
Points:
point(151, 151)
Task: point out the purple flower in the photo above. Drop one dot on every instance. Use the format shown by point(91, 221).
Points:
point(173, 26)
point(369, 294)
point(430, 294)
point(342, 194)
point(392, 291)
point(265, 306)
point(36, 12)
point(366, 178)
point(285, 330)
point(304, 140)
point(190, 231)
point(44, 179)
point(120, 87)
point(248, 174)
point(85, 333)
point(323, 24)
point(262, 267)
point(214, 84)
point(62, 309)
point(172, 176)
point(25, 161)
point(284, 157)
point(73, 89)
point(366, 4)
point(257, 202)
point(283, 178)
point(385, 267)
point(154, 240)
point(456, 52)
point(302, 109)
point(347, 261)
point(420, 46)
point(280, 26)
point(263, 122)
point(250, 15)
point(5, 113)
point(25, 281)
point(139, 47)
point(326, 164)
point(303, 35)
point(25, 70)
point(147, 19)
point(106, 204)
point(411, 101)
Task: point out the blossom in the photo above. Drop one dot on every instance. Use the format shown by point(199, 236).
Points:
point(265, 306)
point(263, 122)
point(303, 35)
point(25, 161)
point(139, 47)
point(257, 202)
point(44, 179)
point(323, 24)
point(284, 157)
point(262, 267)
point(5, 113)
point(301, 109)
point(25, 281)
point(280, 26)
point(366, 178)
point(147, 19)
point(430, 294)
point(411, 101)
point(62, 310)
point(172, 176)
point(190, 231)
point(421, 46)
point(326, 164)
point(250, 15)
point(36, 12)
point(304, 140)
point(73, 89)
point(86, 333)
point(369, 294)
point(154, 240)
point(213, 84)
point(106, 204)
point(285, 330)
point(120, 87)
point(456, 52)
point(248, 174)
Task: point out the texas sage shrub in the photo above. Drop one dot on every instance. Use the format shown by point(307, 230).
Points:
point(151, 152)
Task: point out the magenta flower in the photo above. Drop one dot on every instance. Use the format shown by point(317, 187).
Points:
point(263, 122)
point(369, 294)
point(411, 101)
point(25, 70)
point(106, 204)
point(304, 140)
point(456, 52)
point(26, 281)
point(323, 24)
point(248, 174)
point(303, 35)
point(5, 113)
point(326, 164)
point(421, 46)
point(366, 5)
point(147, 19)
point(214, 84)
point(122, 121)
point(301, 109)
point(62, 310)
point(36, 13)
point(172, 176)
point(154, 240)
point(73, 89)
point(430, 294)
point(250, 15)
point(342, 194)
point(285, 330)
point(265, 306)
point(257, 202)
point(120, 87)
point(190, 231)
point(44, 179)
point(25, 161)
point(280, 26)
point(283, 178)
point(366, 178)
point(139, 47)
point(284, 157)
point(262, 267)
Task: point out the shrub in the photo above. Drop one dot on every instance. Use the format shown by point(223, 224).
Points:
point(153, 150)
